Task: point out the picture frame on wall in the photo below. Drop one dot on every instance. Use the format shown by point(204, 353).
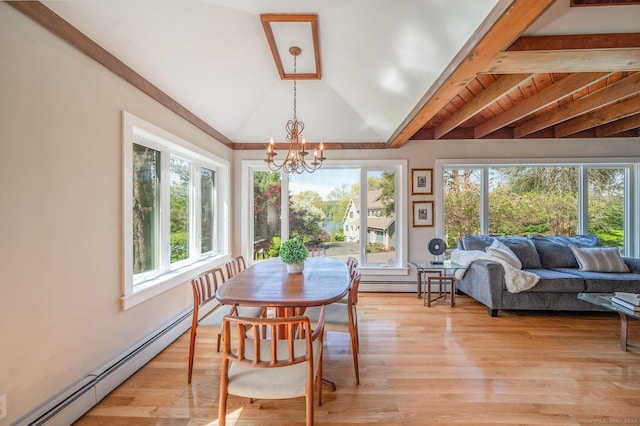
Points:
point(423, 214)
point(421, 181)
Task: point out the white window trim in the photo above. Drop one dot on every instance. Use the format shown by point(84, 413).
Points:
point(133, 295)
point(400, 166)
point(632, 196)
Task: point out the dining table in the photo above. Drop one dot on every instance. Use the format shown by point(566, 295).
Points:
point(267, 283)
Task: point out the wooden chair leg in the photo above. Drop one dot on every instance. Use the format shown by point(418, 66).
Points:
point(192, 346)
point(219, 341)
point(353, 332)
point(222, 408)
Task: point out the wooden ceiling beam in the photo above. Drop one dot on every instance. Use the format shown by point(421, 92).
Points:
point(507, 20)
point(612, 93)
point(576, 41)
point(485, 98)
point(629, 123)
point(570, 60)
point(553, 93)
point(620, 110)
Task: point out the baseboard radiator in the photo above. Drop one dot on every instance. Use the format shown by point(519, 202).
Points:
point(70, 404)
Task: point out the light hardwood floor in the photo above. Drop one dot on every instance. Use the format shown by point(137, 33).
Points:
point(419, 366)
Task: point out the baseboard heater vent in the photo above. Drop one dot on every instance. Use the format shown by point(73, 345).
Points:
point(73, 402)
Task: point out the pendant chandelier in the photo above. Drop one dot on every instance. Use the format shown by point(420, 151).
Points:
point(295, 161)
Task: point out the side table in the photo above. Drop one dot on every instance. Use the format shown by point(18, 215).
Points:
point(440, 272)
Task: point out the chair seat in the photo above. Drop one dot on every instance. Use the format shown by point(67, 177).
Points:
point(336, 317)
point(214, 319)
point(272, 383)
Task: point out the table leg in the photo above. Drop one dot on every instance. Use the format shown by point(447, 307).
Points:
point(453, 292)
point(623, 331)
point(419, 283)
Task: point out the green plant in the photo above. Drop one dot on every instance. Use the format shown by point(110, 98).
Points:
point(293, 251)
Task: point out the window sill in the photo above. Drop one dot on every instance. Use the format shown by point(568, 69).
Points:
point(159, 285)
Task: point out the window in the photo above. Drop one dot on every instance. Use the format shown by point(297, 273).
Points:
point(173, 205)
point(524, 199)
point(324, 208)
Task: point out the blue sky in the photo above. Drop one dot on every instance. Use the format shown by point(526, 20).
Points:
point(323, 181)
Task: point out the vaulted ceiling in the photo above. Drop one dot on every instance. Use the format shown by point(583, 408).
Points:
point(373, 73)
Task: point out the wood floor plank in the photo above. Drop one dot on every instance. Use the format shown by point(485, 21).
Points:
point(418, 366)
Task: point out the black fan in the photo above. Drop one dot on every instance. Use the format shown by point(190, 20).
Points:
point(436, 247)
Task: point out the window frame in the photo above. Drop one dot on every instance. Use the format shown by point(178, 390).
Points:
point(141, 287)
point(631, 195)
point(400, 168)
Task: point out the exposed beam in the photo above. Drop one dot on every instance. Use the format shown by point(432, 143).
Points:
point(622, 109)
point(570, 60)
point(612, 93)
point(327, 146)
point(576, 41)
point(629, 123)
point(507, 20)
point(67, 32)
point(485, 98)
point(551, 94)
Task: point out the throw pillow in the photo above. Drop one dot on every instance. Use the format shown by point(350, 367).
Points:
point(599, 259)
point(554, 251)
point(503, 252)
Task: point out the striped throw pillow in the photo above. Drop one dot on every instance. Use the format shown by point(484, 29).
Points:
point(599, 259)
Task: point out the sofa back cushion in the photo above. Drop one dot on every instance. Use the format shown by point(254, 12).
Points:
point(522, 247)
point(599, 259)
point(554, 251)
point(476, 242)
point(525, 250)
point(501, 251)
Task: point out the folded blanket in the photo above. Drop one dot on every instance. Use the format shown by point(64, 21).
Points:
point(516, 280)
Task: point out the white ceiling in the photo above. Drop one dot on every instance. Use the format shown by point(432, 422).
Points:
point(379, 57)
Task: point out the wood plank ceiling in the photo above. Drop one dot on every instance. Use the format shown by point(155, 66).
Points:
point(564, 86)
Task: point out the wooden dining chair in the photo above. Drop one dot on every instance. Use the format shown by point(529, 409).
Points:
point(343, 318)
point(316, 251)
point(208, 312)
point(282, 359)
point(352, 263)
point(234, 266)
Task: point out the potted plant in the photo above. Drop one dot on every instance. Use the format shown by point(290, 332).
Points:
point(293, 253)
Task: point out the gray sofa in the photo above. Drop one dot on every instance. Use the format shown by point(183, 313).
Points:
point(551, 258)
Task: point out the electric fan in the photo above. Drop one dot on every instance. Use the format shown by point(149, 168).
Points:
point(436, 247)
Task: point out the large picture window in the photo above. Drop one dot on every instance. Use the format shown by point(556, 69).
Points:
point(354, 209)
point(173, 202)
point(525, 199)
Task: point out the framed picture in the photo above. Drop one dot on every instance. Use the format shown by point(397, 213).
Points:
point(422, 181)
point(422, 214)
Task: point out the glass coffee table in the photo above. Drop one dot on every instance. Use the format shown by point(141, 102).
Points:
point(435, 272)
point(604, 300)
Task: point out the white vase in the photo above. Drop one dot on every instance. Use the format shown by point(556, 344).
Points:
point(295, 268)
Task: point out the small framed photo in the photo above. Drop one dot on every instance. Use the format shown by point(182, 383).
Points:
point(422, 181)
point(422, 214)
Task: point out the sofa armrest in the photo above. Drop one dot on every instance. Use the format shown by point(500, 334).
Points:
point(484, 281)
point(633, 264)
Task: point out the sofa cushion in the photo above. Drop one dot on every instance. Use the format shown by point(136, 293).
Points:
point(553, 281)
point(599, 259)
point(605, 282)
point(501, 251)
point(476, 242)
point(524, 249)
point(554, 251)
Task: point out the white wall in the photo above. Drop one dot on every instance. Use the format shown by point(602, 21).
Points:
point(60, 215)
